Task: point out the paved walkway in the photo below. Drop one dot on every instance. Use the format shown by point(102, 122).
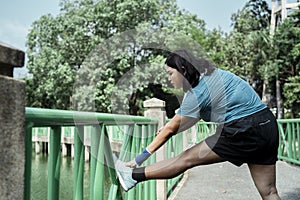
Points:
point(225, 181)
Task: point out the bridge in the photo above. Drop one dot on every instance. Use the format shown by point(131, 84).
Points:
point(219, 181)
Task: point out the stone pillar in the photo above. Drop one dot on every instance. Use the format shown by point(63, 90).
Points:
point(37, 147)
point(156, 109)
point(72, 150)
point(12, 125)
point(86, 153)
point(64, 149)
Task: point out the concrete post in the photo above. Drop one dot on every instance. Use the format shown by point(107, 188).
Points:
point(86, 153)
point(37, 147)
point(156, 109)
point(72, 150)
point(12, 125)
point(64, 149)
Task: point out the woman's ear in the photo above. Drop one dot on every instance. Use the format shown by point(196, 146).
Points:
point(183, 70)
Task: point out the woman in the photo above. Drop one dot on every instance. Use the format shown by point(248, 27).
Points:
point(247, 130)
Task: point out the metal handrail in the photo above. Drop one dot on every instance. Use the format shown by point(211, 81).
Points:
point(49, 117)
point(289, 140)
point(140, 133)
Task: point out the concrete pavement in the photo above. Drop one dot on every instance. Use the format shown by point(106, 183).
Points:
point(224, 181)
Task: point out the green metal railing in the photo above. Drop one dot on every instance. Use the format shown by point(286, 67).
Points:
point(139, 133)
point(134, 132)
point(116, 133)
point(174, 147)
point(205, 129)
point(289, 140)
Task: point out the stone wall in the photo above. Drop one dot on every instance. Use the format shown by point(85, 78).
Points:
point(12, 125)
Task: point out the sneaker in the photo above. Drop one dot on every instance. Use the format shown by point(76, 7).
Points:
point(124, 174)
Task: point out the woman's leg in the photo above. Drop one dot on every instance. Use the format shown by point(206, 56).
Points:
point(199, 154)
point(264, 177)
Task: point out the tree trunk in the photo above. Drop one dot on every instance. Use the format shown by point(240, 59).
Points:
point(266, 94)
point(279, 100)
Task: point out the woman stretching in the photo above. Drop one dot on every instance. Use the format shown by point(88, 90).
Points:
point(247, 131)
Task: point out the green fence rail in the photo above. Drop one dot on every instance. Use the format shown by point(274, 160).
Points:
point(289, 140)
point(174, 147)
point(140, 132)
point(204, 129)
point(134, 132)
point(115, 132)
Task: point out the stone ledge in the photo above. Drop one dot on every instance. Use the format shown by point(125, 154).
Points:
point(154, 103)
point(10, 56)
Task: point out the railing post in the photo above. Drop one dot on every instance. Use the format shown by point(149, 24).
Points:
point(156, 109)
point(54, 162)
point(78, 163)
point(12, 125)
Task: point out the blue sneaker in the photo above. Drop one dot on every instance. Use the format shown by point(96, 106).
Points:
point(124, 174)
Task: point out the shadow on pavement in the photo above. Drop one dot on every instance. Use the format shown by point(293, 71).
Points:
point(291, 195)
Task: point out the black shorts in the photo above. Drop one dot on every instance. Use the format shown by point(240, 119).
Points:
point(252, 139)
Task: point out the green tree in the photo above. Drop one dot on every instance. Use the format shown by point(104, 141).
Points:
point(72, 42)
point(291, 92)
point(287, 59)
point(51, 84)
point(248, 45)
point(254, 16)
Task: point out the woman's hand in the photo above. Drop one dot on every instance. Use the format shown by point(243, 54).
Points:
point(131, 164)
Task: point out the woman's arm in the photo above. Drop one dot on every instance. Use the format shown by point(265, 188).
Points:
point(177, 124)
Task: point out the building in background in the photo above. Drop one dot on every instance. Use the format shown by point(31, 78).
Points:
point(280, 10)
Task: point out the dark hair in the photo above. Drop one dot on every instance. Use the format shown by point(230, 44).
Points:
point(189, 66)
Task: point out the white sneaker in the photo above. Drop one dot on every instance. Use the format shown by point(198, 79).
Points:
point(124, 174)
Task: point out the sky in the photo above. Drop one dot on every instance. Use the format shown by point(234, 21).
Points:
point(16, 17)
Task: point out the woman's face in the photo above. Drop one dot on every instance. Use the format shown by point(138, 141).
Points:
point(175, 77)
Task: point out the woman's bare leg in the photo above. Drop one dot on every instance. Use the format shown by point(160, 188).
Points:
point(199, 154)
point(264, 177)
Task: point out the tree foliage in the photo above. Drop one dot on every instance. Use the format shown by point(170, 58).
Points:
point(287, 60)
point(80, 37)
point(108, 56)
point(254, 16)
point(248, 46)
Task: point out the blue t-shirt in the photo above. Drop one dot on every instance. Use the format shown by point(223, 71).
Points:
point(220, 97)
